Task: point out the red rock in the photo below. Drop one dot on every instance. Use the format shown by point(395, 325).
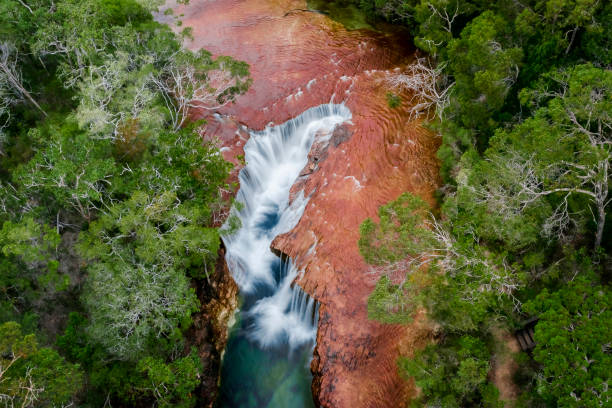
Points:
point(301, 59)
point(209, 332)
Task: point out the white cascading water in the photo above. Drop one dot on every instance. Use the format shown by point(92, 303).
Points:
point(274, 159)
point(288, 315)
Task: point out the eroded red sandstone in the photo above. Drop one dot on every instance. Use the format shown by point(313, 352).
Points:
point(301, 59)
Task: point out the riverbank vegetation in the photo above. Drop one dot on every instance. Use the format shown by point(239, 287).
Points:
point(521, 95)
point(107, 199)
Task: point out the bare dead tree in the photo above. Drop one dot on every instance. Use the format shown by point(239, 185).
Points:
point(23, 392)
point(23, 3)
point(443, 14)
point(10, 75)
point(185, 87)
point(428, 86)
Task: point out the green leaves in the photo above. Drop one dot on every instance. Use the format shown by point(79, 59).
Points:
point(132, 307)
point(172, 385)
point(433, 266)
point(14, 345)
point(118, 90)
point(29, 266)
point(29, 240)
point(556, 162)
point(197, 81)
point(402, 231)
point(452, 373)
point(390, 303)
point(69, 170)
point(80, 31)
point(484, 66)
point(438, 20)
point(572, 339)
point(142, 251)
point(484, 63)
point(550, 29)
point(33, 376)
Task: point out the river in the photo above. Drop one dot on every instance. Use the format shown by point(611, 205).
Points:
point(267, 361)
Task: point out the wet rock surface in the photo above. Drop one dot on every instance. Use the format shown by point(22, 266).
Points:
point(301, 59)
point(219, 300)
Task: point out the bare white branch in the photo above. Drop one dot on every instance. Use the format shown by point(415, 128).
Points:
point(10, 76)
point(430, 92)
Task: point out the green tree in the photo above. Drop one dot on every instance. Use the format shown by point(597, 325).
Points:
point(32, 376)
point(69, 171)
point(172, 385)
point(79, 32)
point(449, 274)
point(549, 30)
point(484, 64)
point(573, 341)
point(137, 290)
point(439, 21)
point(401, 232)
point(151, 380)
point(28, 266)
point(453, 373)
point(597, 39)
point(197, 81)
point(178, 162)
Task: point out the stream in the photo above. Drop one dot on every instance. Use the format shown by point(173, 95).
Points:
point(268, 354)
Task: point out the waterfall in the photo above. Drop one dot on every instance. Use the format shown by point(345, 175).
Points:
point(278, 311)
point(288, 316)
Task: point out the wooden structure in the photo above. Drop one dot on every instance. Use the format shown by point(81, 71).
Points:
point(525, 336)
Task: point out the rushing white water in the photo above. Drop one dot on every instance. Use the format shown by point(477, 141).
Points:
point(282, 312)
point(289, 315)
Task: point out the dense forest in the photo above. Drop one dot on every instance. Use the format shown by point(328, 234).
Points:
point(109, 202)
point(521, 95)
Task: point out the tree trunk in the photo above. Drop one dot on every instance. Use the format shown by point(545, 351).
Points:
point(569, 47)
point(601, 220)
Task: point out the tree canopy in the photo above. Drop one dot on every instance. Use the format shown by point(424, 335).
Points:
point(573, 342)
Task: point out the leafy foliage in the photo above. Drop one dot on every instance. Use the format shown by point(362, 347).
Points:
point(572, 338)
point(392, 303)
point(172, 384)
point(69, 170)
point(31, 375)
point(400, 232)
point(135, 290)
point(464, 363)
